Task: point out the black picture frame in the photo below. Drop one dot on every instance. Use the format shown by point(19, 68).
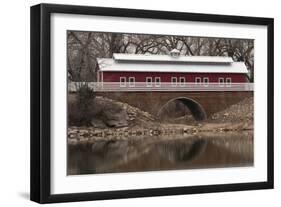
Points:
point(41, 98)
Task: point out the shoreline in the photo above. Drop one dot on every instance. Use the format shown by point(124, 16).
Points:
point(88, 135)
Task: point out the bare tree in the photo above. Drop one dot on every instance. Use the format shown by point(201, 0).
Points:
point(85, 47)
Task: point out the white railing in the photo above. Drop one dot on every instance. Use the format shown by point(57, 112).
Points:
point(163, 86)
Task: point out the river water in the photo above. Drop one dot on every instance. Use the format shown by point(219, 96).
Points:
point(165, 153)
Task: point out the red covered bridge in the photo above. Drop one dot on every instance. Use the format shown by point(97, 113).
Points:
point(171, 72)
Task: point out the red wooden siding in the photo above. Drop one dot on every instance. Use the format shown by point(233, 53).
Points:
point(166, 77)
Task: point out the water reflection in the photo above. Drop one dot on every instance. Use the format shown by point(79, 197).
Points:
point(150, 153)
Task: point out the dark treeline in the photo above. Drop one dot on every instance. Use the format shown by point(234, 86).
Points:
point(84, 47)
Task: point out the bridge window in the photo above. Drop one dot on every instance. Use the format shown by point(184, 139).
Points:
point(157, 81)
point(174, 81)
point(132, 82)
point(182, 81)
point(228, 81)
point(122, 81)
point(206, 81)
point(198, 80)
point(221, 81)
point(148, 81)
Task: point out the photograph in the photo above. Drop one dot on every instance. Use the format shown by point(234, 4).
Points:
point(129, 103)
point(157, 102)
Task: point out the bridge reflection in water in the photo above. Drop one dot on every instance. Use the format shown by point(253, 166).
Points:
point(227, 150)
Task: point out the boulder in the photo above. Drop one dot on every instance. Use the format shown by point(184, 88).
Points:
point(115, 118)
point(98, 123)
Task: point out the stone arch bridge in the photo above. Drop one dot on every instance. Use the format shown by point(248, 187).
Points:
point(201, 104)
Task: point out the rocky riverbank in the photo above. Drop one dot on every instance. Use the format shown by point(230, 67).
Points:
point(240, 112)
point(103, 113)
point(117, 120)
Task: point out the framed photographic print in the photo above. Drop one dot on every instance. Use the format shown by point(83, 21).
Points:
point(132, 103)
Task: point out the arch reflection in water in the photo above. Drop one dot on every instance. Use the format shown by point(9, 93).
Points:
point(151, 154)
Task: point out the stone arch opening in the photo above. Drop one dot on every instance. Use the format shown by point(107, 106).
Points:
point(196, 110)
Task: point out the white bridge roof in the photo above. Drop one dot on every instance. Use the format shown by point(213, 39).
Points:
point(168, 58)
point(161, 63)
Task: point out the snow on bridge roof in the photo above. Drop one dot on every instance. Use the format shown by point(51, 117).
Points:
point(168, 58)
point(163, 63)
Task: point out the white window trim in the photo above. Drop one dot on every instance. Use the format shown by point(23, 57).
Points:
point(221, 84)
point(182, 83)
point(148, 84)
point(132, 81)
point(228, 81)
point(157, 84)
point(122, 84)
point(206, 83)
point(174, 83)
point(198, 82)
